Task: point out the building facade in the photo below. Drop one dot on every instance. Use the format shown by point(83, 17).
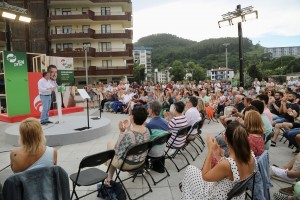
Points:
point(283, 51)
point(65, 27)
point(221, 73)
point(142, 56)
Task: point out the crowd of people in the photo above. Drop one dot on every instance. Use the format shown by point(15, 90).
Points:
point(248, 116)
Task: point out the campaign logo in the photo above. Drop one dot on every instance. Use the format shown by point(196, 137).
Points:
point(11, 58)
point(38, 103)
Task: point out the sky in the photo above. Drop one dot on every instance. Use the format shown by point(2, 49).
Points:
point(278, 23)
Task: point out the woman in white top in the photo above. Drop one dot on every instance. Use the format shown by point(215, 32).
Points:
point(33, 153)
point(215, 182)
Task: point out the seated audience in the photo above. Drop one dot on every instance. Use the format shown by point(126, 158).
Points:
point(33, 152)
point(157, 127)
point(254, 125)
point(192, 114)
point(131, 133)
point(179, 121)
point(216, 182)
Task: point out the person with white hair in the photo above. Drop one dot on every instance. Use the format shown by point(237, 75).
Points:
point(238, 107)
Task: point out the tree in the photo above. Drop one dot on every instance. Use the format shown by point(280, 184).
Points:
point(254, 72)
point(177, 71)
point(138, 72)
point(198, 73)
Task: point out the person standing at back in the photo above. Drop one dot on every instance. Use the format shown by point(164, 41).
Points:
point(45, 88)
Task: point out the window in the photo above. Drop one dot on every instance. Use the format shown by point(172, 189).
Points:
point(67, 29)
point(57, 11)
point(87, 44)
point(89, 63)
point(66, 11)
point(68, 46)
point(105, 28)
point(58, 47)
point(106, 63)
point(104, 46)
point(58, 30)
point(85, 11)
point(105, 11)
point(85, 28)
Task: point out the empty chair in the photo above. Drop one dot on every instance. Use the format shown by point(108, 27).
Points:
point(91, 175)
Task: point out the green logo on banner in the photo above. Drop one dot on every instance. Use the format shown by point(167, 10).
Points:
point(16, 83)
point(12, 58)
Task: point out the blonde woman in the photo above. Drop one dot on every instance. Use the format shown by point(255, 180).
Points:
point(33, 152)
point(255, 127)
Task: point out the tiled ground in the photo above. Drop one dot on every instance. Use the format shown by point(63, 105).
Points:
point(69, 157)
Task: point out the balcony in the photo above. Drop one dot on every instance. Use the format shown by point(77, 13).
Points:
point(90, 15)
point(89, 33)
point(72, 16)
point(112, 53)
point(112, 16)
point(77, 52)
point(105, 71)
point(75, 34)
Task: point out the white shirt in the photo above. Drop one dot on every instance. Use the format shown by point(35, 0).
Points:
point(126, 98)
point(192, 115)
point(44, 86)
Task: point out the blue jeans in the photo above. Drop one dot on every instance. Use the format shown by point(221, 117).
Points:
point(291, 134)
point(46, 102)
point(277, 120)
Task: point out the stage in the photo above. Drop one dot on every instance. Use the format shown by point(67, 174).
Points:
point(5, 118)
point(65, 133)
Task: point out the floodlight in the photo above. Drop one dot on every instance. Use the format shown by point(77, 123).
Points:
point(9, 15)
point(24, 19)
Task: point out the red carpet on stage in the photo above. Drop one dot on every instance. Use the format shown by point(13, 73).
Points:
point(5, 118)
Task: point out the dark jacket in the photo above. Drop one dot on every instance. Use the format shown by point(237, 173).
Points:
point(45, 183)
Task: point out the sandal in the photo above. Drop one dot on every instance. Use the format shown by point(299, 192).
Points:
point(273, 144)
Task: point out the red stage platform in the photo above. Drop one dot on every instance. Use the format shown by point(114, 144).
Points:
point(5, 118)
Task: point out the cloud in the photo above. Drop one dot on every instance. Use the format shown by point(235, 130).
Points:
point(198, 19)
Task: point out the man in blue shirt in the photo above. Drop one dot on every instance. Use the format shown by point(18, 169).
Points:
point(157, 127)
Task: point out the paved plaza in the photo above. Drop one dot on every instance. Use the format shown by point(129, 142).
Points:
point(69, 157)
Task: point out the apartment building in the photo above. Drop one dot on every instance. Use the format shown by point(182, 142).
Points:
point(220, 73)
point(283, 51)
point(103, 26)
point(142, 56)
point(64, 27)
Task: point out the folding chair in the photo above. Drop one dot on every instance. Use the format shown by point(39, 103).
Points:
point(159, 141)
point(181, 133)
point(198, 136)
point(139, 150)
point(241, 187)
point(91, 175)
point(194, 127)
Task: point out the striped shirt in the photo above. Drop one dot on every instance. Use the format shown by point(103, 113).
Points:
point(174, 125)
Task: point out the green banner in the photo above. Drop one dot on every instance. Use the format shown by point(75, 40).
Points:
point(16, 83)
point(65, 77)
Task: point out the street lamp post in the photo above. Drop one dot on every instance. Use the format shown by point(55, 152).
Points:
point(240, 14)
point(226, 44)
point(86, 49)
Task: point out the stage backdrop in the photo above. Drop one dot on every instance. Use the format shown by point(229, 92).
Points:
point(16, 83)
